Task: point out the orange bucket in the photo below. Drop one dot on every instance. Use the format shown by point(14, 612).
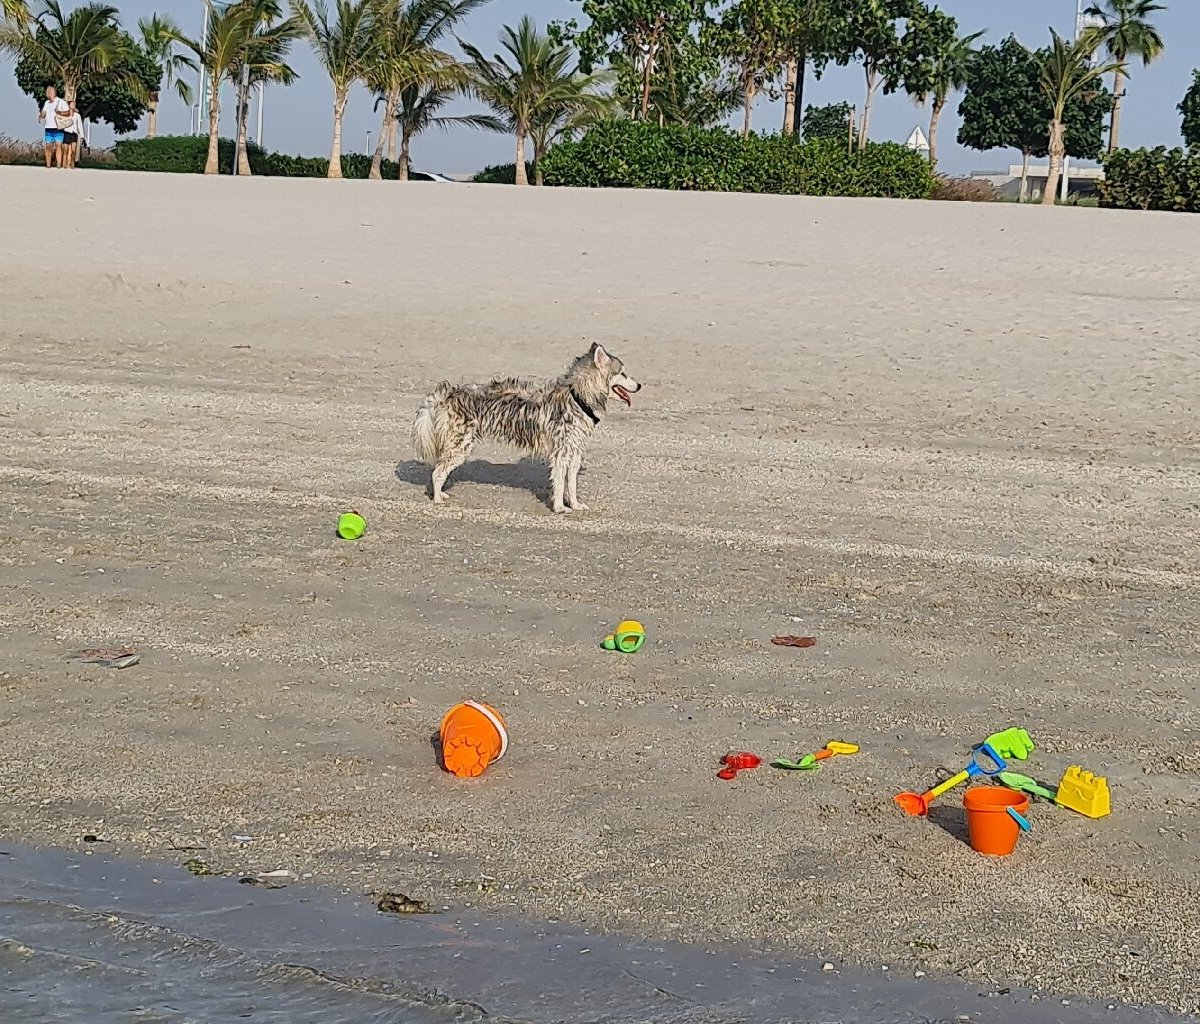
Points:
point(991, 829)
point(473, 736)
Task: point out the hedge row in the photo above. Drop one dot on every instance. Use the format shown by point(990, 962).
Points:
point(187, 154)
point(501, 174)
point(637, 154)
point(1152, 179)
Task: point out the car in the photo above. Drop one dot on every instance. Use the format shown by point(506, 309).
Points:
point(430, 176)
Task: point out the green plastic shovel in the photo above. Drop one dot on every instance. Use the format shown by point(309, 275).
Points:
point(1024, 784)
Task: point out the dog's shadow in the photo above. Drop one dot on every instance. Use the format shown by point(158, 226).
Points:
point(524, 475)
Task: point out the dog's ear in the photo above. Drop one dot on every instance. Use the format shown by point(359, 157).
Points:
point(599, 356)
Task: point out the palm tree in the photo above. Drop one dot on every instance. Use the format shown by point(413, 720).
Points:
point(158, 38)
point(407, 58)
point(417, 112)
point(1066, 72)
point(533, 83)
point(950, 67)
point(1126, 32)
point(86, 44)
point(221, 54)
point(263, 60)
point(347, 47)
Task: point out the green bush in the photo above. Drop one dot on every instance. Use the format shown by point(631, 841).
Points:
point(633, 154)
point(1152, 179)
point(187, 154)
point(501, 174)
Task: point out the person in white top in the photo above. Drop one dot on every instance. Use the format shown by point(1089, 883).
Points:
point(71, 137)
point(54, 108)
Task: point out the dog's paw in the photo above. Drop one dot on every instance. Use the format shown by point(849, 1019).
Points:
point(561, 510)
point(579, 506)
point(439, 499)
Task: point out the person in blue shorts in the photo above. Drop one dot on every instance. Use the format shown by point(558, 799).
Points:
point(54, 108)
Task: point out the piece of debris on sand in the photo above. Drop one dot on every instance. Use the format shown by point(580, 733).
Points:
point(398, 903)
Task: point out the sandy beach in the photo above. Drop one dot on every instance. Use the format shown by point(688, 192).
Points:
point(956, 443)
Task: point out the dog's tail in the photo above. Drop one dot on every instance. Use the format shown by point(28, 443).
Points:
point(429, 426)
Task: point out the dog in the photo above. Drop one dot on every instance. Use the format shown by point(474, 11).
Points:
point(552, 421)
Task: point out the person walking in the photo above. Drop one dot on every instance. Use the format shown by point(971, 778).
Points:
point(54, 108)
point(71, 139)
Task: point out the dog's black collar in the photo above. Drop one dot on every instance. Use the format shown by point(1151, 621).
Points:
point(586, 408)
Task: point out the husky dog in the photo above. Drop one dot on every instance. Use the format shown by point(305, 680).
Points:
point(553, 421)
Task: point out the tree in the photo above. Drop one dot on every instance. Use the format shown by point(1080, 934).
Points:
point(1126, 32)
point(934, 62)
point(833, 121)
point(754, 36)
point(407, 58)
point(1190, 109)
point(262, 59)
point(532, 83)
point(573, 111)
point(1004, 107)
point(866, 31)
point(706, 101)
point(346, 46)
point(809, 33)
point(1065, 72)
point(158, 36)
point(418, 111)
point(86, 45)
point(221, 54)
point(643, 41)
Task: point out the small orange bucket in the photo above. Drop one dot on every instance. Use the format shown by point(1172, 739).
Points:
point(990, 828)
point(473, 736)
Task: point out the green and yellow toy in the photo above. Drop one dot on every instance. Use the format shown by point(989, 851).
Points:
point(628, 637)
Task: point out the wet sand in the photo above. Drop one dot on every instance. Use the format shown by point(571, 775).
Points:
point(956, 443)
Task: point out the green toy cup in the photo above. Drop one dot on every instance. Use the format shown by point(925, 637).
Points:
point(351, 526)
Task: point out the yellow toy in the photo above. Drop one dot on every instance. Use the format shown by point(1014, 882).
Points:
point(1084, 792)
point(627, 638)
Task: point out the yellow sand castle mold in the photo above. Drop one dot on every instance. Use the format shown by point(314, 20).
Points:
point(1084, 792)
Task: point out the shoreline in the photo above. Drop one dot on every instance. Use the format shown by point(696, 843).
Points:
point(476, 965)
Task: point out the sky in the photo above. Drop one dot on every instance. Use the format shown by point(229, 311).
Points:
point(299, 119)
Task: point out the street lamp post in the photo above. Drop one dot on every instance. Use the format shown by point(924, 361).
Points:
point(1083, 22)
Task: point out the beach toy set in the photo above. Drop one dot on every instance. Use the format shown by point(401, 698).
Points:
point(742, 760)
point(996, 814)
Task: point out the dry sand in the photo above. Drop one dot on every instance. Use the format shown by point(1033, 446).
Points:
point(957, 443)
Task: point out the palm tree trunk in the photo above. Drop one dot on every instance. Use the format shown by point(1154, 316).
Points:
point(213, 164)
point(243, 117)
point(391, 146)
point(789, 96)
point(522, 178)
point(865, 126)
point(405, 143)
point(938, 103)
point(152, 117)
point(389, 106)
point(1023, 194)
point(1057, 151)
point(539, 150)
point(335, 151)
point(1114, 124)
